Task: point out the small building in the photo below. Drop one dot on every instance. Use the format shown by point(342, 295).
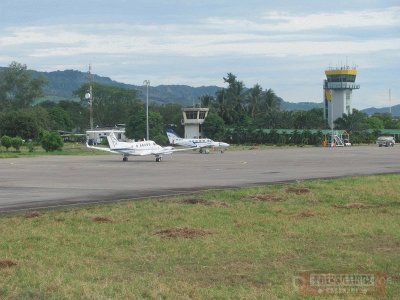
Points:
point(193, 120)
point(97, 135)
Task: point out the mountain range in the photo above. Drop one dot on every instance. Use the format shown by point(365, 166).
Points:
point(61, 85)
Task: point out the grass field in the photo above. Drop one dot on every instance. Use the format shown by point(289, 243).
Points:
point(241, 244)
point(68, 149)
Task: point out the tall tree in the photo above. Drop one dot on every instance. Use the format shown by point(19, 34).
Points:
point(111, 105)
point(136, 126)
point(18, 89)
point(214, 127)
point(254, 100)
point(234, 100)
point(270, 102)
point(206, 101)
point(25, 123)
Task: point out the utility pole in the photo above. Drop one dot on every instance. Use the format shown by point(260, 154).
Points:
point(147, 83)
point(89, 96)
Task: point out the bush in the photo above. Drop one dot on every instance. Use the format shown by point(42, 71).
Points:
point(31, 148)
point(6, 141)
point(51, 141)
point(16, 142)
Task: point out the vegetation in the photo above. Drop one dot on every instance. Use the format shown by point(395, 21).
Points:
point(18, 88)
point(241, 243)
point(16, 142)
point(237, 114)
point(51, 141)
point(6, 141)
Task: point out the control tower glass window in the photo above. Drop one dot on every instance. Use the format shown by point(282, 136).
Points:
point(341, 78)
point(191, 115)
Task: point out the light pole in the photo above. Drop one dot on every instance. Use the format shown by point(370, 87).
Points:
point(147, 83)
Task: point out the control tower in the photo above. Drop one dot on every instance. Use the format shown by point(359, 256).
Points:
point(193, 120)
point(338, 88)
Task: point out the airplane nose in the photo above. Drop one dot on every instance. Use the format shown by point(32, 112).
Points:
point(223, 144)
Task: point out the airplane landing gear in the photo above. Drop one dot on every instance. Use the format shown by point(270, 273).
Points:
point(158, 158)
point(125, 158)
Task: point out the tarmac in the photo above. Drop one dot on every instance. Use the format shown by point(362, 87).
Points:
point(62, 181)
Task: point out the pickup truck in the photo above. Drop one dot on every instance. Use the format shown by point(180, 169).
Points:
point(385, 141)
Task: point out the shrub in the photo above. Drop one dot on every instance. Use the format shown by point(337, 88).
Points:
point(31, 148)
point(16, 142)
point(51, 141)
point(6, 141)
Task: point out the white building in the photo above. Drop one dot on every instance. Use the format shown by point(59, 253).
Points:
point(96, 135)
point(193, 119)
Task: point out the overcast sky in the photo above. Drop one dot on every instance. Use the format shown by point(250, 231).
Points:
point(282, 45)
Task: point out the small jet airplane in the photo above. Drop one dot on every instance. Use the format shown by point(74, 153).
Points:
point(201, 144)
point(135, 148)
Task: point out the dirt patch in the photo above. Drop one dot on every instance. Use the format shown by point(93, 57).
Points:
point(7, 263)
point(223, 204)
point(306, 214)
point(298, 191)
point(196, 201)
point(102, 220)
point(32, 214)
point(356, 206)
point(266, 198)
point(255, 147)
point(183, 232)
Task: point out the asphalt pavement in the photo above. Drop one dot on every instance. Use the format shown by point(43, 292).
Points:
point(58, 181)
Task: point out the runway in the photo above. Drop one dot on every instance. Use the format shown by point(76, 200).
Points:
point(58, 181)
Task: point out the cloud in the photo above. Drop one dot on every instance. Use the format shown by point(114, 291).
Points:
point(280, 21)
point(194, 40)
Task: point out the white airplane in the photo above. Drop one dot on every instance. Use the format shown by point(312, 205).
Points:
point(135, 148)
point(174, 139)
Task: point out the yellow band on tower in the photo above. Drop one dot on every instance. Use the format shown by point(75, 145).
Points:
point(341, 72)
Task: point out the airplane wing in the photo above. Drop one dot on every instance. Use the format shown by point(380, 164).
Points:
point(102, 149)
point(169, 150)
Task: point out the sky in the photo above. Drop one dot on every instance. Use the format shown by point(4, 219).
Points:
point(281, 45)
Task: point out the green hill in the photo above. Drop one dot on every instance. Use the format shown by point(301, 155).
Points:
point(61, 85)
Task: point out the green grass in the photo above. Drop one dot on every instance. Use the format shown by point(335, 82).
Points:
point(68, 149)
point(251, 243)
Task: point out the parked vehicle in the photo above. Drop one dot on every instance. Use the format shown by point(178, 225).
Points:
point(387, 141)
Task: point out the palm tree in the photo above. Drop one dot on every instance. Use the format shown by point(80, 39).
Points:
point(271, 101)
point(351, 122)
point(254, 99)
point(233, 98)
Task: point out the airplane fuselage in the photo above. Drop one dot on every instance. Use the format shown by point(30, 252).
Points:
point(199, 143)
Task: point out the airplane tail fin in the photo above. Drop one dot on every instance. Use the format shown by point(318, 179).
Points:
point(112, 141)
point(172, 136)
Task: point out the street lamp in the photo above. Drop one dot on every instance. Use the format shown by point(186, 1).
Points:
point(147, 83)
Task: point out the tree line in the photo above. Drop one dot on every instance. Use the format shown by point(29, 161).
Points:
point(237, 114)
